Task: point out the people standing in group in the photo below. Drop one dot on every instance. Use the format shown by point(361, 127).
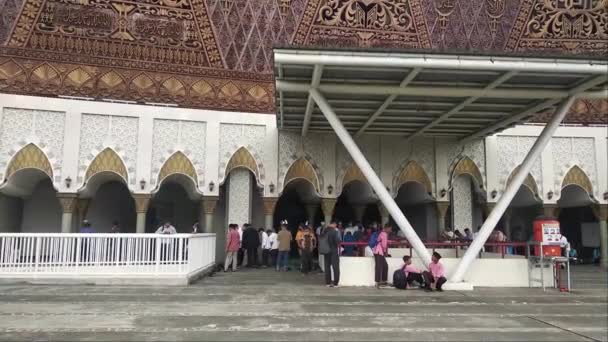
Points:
point(251, 242)
point(284, 237)
point(329, 247)
point(266, 246)
point(273, 241)
point(349, 249)
point(233, 244)
point(380, 251)
point(307, 244)
point(435, 276)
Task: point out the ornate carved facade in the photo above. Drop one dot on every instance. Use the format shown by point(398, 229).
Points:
point(217, 54)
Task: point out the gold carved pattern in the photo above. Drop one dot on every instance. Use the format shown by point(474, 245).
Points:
point(412, 172)
point(302, 169)
point(529, 182)
point(444, 8)
point(328, 205)
point(50, 78)
point(373, 23)
point(442, 209)
point(570, 25)
point(107, 161)
point(269, 204)
point(601, 212)
point(468, 167)
point(30, 157)
point(209, 203)
point(178, 163)
point(242, 158)
point(353, 174)
point(142, 201)
point(67, 201)
point(495, 10)
point(576, 176)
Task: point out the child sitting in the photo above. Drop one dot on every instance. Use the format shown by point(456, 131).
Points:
point(412, 273)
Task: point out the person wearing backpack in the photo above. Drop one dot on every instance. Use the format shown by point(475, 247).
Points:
point(329, 247)
point(380, 250)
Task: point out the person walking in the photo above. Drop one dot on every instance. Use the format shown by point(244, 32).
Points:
point(380, 251)
point(232, 247)
point(307, 244)
point(329, 247)
point(284, 237)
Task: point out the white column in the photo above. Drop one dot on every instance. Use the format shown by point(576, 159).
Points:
point(239, 196)
point(511, 190)
point(328, 205)
point(208, 205)
point(601, 212)
point(269, 205)
point(371, 176)
point(68, 204)
point(141, 208)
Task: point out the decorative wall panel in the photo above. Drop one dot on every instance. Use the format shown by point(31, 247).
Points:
point(187, 137)
point(235, 136)
point(21, 127)
point(570, 151)
point(511, 153)
point(292, 146)
point(474, 150)
point(218, 53)
point(239, 197)
point(421, 151)
point(116, 132)
point(370, 147)
point(462, 199)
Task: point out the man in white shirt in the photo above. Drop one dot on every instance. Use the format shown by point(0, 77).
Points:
point(168, 245)
point(273, 242)
point(166, 228)
point(265, 247)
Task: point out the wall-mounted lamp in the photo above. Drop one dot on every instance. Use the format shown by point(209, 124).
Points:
point(271, 187)
point(550, 194)
point(443, 192)
point(494, 193)
point(68, 182)
point(211, 186)
point(330, 189)
point(142, 183)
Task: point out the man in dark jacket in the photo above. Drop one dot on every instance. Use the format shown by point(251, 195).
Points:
point(251, 242)
point(329, 246)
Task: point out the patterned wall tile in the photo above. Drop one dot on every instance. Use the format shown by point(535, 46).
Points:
point(239, 197)
point(234, 136)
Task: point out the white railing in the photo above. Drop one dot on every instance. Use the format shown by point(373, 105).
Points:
point(74, 255)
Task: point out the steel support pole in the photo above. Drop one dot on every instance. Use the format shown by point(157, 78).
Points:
point(371, 176)
point(511, 190)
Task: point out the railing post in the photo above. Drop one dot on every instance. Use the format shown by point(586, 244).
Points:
point(37, 255)
point(157, 260)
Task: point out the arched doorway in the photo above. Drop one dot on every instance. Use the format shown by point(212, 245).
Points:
point(109, 201)
point(176, 201)
point(352, 204)
point(578, 221)
point(295, 202)
point(467, 196)
point(28, 199)
point(517, 222)
point(419, 209)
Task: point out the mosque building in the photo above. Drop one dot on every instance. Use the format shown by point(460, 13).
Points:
point(149, 111)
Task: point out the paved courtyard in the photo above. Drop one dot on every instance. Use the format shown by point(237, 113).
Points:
point(262, 305)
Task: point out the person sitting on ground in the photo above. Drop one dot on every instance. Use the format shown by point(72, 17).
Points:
point(435, 276)
point(307, 244)
point(412, 273)
point(458, 235)
point(446, 235)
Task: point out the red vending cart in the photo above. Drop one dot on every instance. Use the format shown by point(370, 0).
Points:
point(547, 231)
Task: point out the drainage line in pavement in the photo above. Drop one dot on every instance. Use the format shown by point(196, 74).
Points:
point(564, 329)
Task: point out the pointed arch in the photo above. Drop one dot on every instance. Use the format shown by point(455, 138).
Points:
point(30, 157)
point(107, 161)
point(353, 173)
point(466, 166)
point(576, 176)
point(178, 163)
point(413, 172)
point(302, 169)
point(243, 158)
point(529, 182)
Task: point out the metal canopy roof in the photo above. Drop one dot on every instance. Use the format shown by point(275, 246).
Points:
point(437, 95)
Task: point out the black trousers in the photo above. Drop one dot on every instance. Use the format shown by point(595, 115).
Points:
point(252, 257)
point(273, 257)
point(381, 275)
point(414, 277)
point(332, 261)
point(265, 255)
point(306, 261)
point(429, 279)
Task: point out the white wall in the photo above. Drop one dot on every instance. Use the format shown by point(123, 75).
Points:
point(41, 210)
point(10, 214)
